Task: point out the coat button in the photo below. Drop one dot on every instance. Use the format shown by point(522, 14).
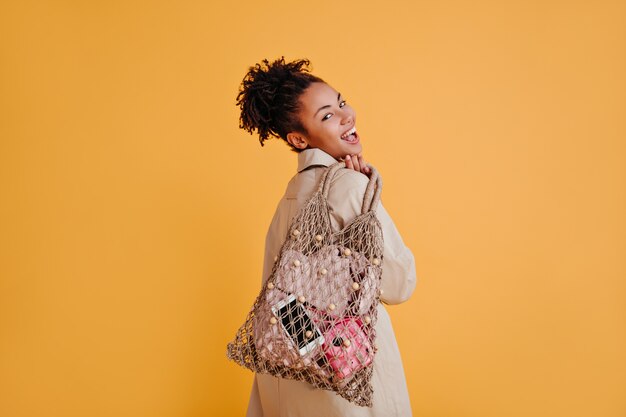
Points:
point(368, 319)
point(295, 232)
point(346, 342)
point(347, 252)
point(355, 286)
point(308, 334)
point(331, 306)
point(270, 285)
point(323, 271)
point(376, 261)
point(273, 320)
point(302, 299)
point(296, 263)
point(318, 238)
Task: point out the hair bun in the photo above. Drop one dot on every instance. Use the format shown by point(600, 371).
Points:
point(268, 97)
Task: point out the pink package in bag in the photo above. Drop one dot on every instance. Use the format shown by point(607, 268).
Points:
point(347, 347)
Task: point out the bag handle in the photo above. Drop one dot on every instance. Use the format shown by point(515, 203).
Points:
point(372, 192)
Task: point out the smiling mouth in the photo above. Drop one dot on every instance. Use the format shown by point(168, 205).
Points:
point(350, 136)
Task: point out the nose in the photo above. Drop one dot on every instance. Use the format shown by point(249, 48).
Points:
point(347, 118)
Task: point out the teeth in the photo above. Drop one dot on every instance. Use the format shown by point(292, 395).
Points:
point(348, 133)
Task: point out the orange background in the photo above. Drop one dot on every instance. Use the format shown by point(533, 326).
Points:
point(134, 210)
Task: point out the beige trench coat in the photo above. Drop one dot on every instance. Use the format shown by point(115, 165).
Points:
point(278, 397)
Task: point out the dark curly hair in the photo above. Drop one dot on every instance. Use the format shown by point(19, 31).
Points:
point(268, 98)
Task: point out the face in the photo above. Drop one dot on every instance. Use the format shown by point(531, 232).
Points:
point(329, 120)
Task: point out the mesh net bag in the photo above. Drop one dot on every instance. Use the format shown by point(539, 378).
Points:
point(314, 319)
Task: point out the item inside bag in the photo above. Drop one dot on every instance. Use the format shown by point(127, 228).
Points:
point(298, 325)
point(331, 346)
point(347, 347)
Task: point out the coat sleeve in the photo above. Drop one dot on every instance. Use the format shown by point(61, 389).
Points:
point(254, 403)
point(345, 199)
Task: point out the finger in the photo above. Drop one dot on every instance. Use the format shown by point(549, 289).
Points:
point(365, 168)
point(355, 161)
point(363, 164)
point(349, 162)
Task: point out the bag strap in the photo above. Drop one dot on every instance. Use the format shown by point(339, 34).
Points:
point(372, 192)
point(328, 175)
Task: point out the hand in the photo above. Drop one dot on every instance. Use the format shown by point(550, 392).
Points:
point(357, 163)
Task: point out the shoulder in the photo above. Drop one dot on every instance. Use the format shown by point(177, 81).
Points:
point(348, 180)
point(345, 196)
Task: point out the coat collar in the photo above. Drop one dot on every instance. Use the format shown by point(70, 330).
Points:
point(314, 156)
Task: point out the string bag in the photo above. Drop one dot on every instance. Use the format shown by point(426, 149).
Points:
point(314, 318)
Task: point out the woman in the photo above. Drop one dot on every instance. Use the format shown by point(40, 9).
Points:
point(282, 99)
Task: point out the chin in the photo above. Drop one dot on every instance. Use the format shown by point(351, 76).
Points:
point(353, 149)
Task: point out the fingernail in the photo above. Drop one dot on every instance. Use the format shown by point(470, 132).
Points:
point(347, 156)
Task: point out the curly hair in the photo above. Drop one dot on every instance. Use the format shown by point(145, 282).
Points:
point(269, 98)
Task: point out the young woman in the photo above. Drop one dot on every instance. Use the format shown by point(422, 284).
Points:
point(284, 100)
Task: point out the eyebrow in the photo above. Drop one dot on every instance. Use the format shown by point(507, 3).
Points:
point(328, 105)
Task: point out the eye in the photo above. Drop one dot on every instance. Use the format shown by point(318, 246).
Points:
point(327, 115)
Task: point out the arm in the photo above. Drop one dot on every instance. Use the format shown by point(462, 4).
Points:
point(345, 199)
point(398, 278)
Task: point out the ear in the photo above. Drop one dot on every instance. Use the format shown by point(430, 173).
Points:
point(297, 140)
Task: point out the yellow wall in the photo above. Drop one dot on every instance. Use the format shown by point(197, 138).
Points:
point(133, 210)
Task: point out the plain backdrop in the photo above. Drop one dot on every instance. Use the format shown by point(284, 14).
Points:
point(133, 209)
